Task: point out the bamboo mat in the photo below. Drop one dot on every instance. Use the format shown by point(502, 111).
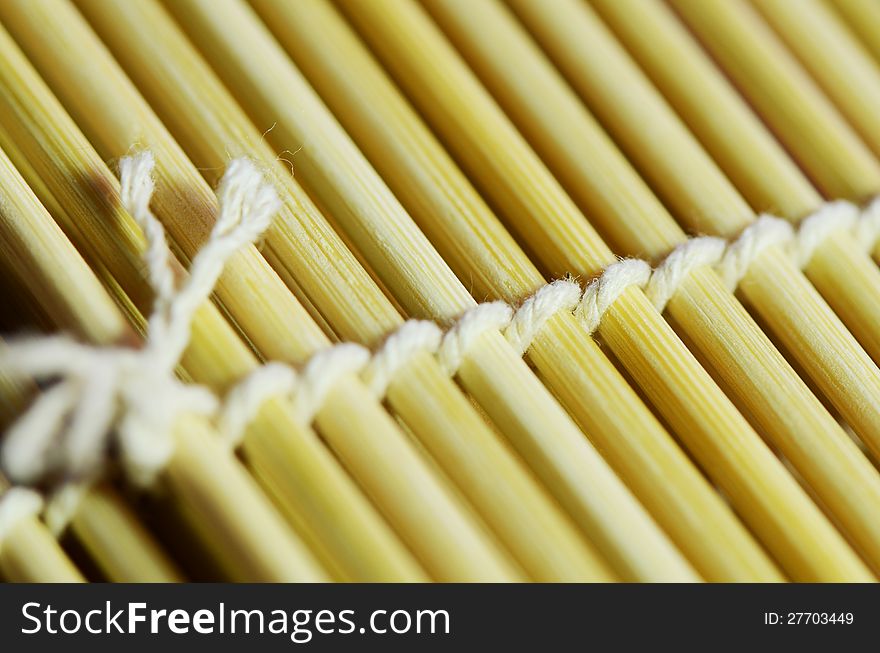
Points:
point(439, 290)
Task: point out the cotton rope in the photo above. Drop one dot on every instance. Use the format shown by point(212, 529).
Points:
point(130, 398)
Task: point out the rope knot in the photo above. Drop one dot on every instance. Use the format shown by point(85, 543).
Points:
point(103, 398)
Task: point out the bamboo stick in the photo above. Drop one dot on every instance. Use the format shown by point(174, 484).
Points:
point(430, 518)
point(455, 218)
point(833, 57)
point(28, 551)
point(30, 554)
point(735, 138)
point(863, 17)
point(518, 183)
point(124, 550)
point(312, 258)
point(200, 473)
point(759, 378)
point(31, 249)
point(333, 170)
point(403, 471)
point(845, 71)
point(848, 280)
point(784, 95)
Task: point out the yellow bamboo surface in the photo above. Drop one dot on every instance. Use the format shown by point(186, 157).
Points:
point(108, 530)
point(732, 134)
point(735, 138)
point(78, 207)
point(452, 214)
point(759, 378)
point(413, 496)
point(200, 473)
point(307, 252)
point(863, 17)
point(440, 160)
point(833, 57)
point(511, 174)
point(807, 123)
point(854, 82)
point(706, 201)
point(333, 170)
point(845, 277)
point(28, 553)
point(389, 464)
point(784, 95)
point(700, 197)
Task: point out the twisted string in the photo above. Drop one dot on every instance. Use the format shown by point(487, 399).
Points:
point(521, 325)
point(129, 399)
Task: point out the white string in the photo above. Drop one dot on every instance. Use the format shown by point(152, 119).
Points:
point(603, 291)
point(520, 326)
point(470, 327)
point(412, 338)
point(528, 320)
point(763, 233)
point(799, 243)
point(813, 230)
point(730, 259)
point(307, 390)
point(677, 266)
point(136, 190)
point(124, 398)
point(135, 395)
point(243, 402)
point(322, 372)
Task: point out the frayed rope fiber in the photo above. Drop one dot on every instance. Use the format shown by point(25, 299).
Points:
point(129, 399)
